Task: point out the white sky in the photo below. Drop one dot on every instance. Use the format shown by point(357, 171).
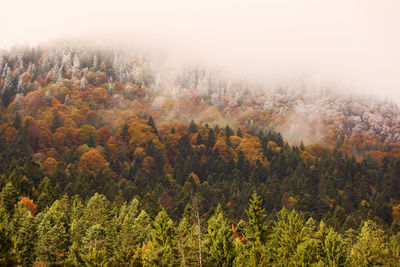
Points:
point(350, 44)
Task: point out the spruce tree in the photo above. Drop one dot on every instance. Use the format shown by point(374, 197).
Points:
point(8, 197)
point(218, 240)
point(163, 236)
point(23, 227)
point(53, 234)
point(255, 228)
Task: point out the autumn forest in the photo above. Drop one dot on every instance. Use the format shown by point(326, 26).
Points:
point(106, 159)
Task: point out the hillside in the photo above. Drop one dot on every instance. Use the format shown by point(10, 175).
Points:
point(108, 157)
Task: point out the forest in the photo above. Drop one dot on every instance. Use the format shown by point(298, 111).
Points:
point(105, 161)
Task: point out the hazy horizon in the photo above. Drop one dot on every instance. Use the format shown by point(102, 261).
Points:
point(347, 45)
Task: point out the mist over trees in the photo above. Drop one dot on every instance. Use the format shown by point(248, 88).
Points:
point(106, 159)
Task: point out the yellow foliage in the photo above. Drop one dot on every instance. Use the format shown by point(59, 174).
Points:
point(251, 148)
point(396, 212)
point(195, 178)
point(50, 165)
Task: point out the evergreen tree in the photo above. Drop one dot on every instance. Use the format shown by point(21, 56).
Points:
point(187, 240)
point(255, 228)
point(8, 198)
point(47, 194)
point(53, 234)
point(218, 240)
point(7, 257)
point(192, 127)
point(371, 248)
point(83, 83)
point(163, 236)
point(286, 235)
point(153, 125)
point(23, 227)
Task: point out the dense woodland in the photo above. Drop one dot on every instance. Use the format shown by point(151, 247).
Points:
point(105, 162)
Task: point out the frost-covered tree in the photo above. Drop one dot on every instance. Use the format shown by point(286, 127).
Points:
point(67, 100)
point(48, 96)
point(110, 85)
point(20, 87)
point(83, 83)
point(76, 67)
point(95, 62)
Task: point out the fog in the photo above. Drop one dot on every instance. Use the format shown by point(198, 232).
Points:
point(349, 45)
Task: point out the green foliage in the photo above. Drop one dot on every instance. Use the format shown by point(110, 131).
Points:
point(218, 241)
point(287, 235)
point(23, 226)
point(255, 229)
point(53, 233)
point(8, 198)
point(371, 248)
point(163, 236)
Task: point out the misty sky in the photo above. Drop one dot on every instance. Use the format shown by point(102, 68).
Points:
point(352, 45)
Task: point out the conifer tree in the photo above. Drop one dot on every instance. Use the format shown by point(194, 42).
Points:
point(192, 127)
point(23, 227)
point(286, 235)
point(83, 83)
point(53, 234)
point(163, 236)
point(8, 197)
point(255, 229)
point(218, 240)
point(371, 248)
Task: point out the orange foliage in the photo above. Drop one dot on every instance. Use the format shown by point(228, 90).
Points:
point(221, 147)
point(235, 140)
point(92, 162)
point(140, 134)
point(86, 132)
point(147, 162)
point(10, 134)
point(50, 165)
point(396, 212)
point(251, 148)
point(195, 178)
point(103, 135)
point(29, 204)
